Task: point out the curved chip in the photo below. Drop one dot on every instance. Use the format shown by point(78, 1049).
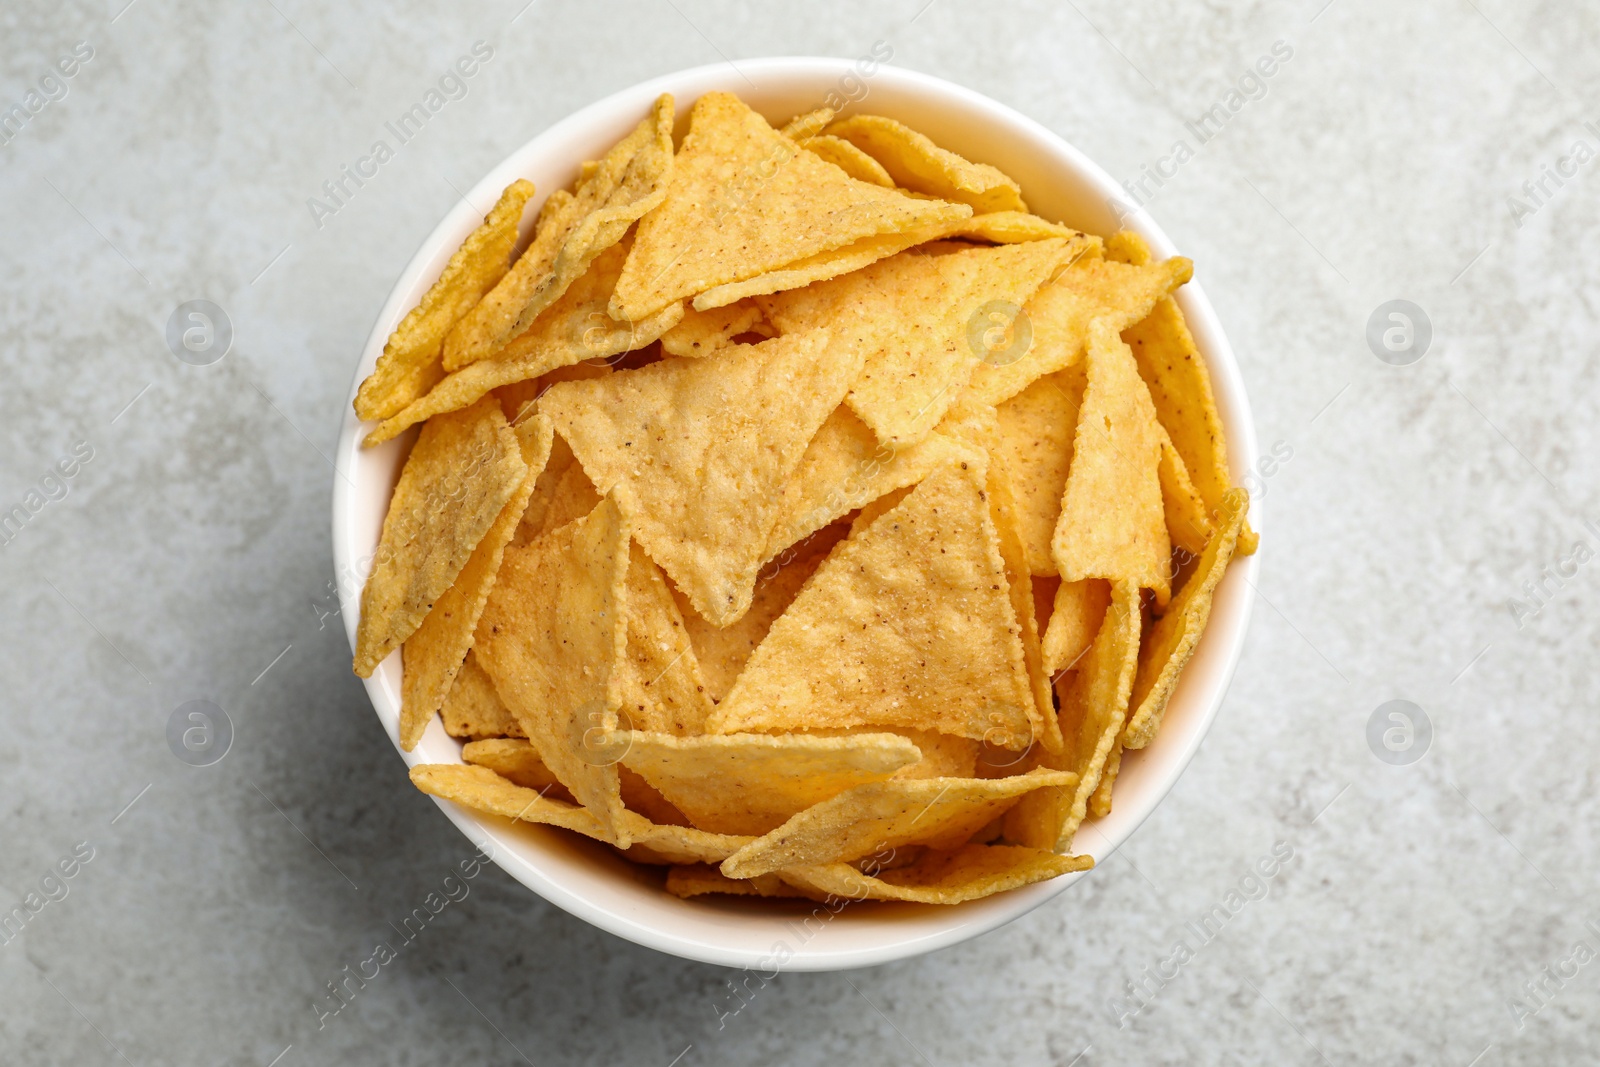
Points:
point(915, 162)
point(967, 873)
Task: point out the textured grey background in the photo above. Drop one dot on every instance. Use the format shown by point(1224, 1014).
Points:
point(193, 549)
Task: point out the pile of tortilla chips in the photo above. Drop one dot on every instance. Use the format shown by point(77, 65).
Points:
point(797, 511)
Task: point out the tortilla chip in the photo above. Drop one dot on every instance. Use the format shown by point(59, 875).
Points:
point(662, 687)
point(1189, 524)
point(1059, 315)
point(1180, 387)
point(909, 624)
point(1176, 633)
point(967, 873)
point(482, 790)
point(574, 328)
point(516, 761)
point(463, 469)
point(1075, 617)
point(808, 125)
point(473, 710)
point(744, 200)
point(750, 783)
point(697, 452)
point(873, 509)
point(939, 812)
point(1125, 246)
point(943, 755)
point(1113, 520)
point(848, 158)
point(844, 468)
point(1094, 707)
point(556, 501)
point(1036, 431)
point(918, 164)
point(699, 879)
point(1010, 227)
point(434, 653)
point(628, 182)
point(410, 364)
point(703, 332)
point(723, 650)
point(552, 637)
point(1100, 801)
point(979, 425)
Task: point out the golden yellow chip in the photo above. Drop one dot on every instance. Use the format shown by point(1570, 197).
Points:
point(1189, 522)
point(1177, 632)
point(1060, 313)
point(1100, 800)
point(808, 125)
point(457, 479)
point(870, 511)
point(750, 783)
point(697, 451)
point(744, 200)
point(1113, 521)
point(1009, 227)
point(938, 812)
point(410, 364)
point(627, 183)
point(662, 687)
point(1094, 708)
point(848, 158)
point(517, 761)
point(723, 650)
point(915, 162)
point(703, 332)
point(943, 755)
point(1180, 387)
point(909, 624)
point(979, 425)
point(845, 468)
point(552, 637)
point(1036, 431)
point(575, 328)
point(967, 873)
point(434, 653)
point(565, 495)
point(1075, 617)
point(473, 710)
point(694, 880)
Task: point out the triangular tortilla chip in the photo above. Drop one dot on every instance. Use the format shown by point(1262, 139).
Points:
point(662, 687)
point(909, 624)
point(979, 425)
point(871, 511)
point(744, 200)
point(432, 656)
point(848, 158)
point(844, 468)
point(967, 873)
point(701, 333)
point(698, 879)
point(1036, 431)
point(805, 126)
point(482, 790)
point(1075, 617)
point(1060, 313)
point(574, 328)
point(697, 451)
point(519, 762)
point(1113, 519)
point(750, 783)
point(723, 650)
point(462, 470)
point(1180, 387)
point(1010, 227)
point(1189, 522)
point(473, 710)
point(552, 637)
point(410, 364)
point(1094, 708)
point(1100, 800)
point(939, 812)
point(915, 162)
point(1177, 632)
point(629, 181)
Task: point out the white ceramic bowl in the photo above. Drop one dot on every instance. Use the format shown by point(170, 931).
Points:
point(585, 878)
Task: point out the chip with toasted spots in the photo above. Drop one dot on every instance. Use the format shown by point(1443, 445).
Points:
point(938, 812)
point(970, 872)
point(1036, 431)
point(701, 333)
point(1189, 524)
point(916, 163)
point(1075, 615)
point(517, 761)
point(454, 485)
point(473, 710)
point(744, 200)
point(697, 452)
point(750, 783)
point(848, 158)
point(411, 364)
point(662, 686)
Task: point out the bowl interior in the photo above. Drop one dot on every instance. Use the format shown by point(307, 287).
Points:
point(585, 878)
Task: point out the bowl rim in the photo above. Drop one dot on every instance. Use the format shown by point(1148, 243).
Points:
point(1158, 767)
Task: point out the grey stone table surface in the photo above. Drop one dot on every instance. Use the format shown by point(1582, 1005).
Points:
point(1421, 535)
